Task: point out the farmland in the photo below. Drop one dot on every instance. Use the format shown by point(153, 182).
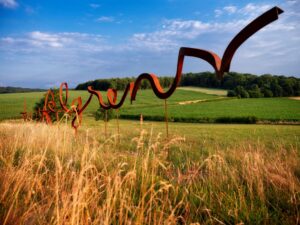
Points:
point(189, 104)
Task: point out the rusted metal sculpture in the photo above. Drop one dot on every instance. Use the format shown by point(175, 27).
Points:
point(76, 106)
point(24, 113)
point(220, 65)
point(49, 107)
point(166, 118)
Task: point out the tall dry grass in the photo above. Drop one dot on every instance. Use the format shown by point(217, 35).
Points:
point(48, 177)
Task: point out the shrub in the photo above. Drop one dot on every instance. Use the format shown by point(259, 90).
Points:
point(241, 92)
point(100, 114)
point(246, 119)
point(231, 93)
point(267, 93)
point(41, 102)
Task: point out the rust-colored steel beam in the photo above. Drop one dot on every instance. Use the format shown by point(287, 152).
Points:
point(24, 113)
point(76, 105)
point(220, 65)
point(49, 107)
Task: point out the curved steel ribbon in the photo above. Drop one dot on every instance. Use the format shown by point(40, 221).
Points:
point(257, 24)
point(78, 110)
point(24, 113)
point(49, 107)
point(220, 65)
point(111, 96)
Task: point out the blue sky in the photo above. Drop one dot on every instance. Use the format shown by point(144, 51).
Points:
point(44, 43)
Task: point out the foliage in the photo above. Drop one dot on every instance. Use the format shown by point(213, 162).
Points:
point(240, 92)
point(120, 83)
point(256, 86)
point(231, 93)
point(265, 85)
point(104, 114)
point(41, 102)
point(18, 90)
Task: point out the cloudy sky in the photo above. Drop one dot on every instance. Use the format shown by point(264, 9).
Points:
point(44, 43)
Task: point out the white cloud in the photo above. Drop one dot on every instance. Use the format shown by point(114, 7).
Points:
point(250, 9)
point(7, 40)
point(107, 19)
point(94, 5)
point(254, 9)
point(218, 12)
point(45, 39)
point(37, 41)
point(230, 9)
point(176, 32)
point(11, 4)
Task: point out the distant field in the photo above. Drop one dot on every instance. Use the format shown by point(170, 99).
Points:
point(12, 104)
point(210, 91)
point(208, 107)
point(262, 108)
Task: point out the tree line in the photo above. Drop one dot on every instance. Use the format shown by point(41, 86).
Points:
point(121, 83)
point(242, 85)
point(4, 90)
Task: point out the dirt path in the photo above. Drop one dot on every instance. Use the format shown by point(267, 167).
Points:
point(200, 100)
point(295, 98)
point(206, 90)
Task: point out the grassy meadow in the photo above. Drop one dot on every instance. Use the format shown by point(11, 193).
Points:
point(201, 174)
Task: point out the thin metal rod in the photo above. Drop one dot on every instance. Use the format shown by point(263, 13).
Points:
point(105, 124)
point(166, 118)
point(24, 113)
point(118, 126)
point(25, 105)
point(141, 122)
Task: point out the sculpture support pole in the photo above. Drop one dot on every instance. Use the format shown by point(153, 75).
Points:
point(24, 113)
point(141, 122)
point(166, 118)
point(25, 106)
point(105, 124)
point(118, 127)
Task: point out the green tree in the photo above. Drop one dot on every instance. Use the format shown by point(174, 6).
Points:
point(40, 105)
point(241, 92)
point(255, 92)
point(104, 114)
point(231, 93)
point(267, 93)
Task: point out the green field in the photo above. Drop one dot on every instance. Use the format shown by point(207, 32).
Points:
point(189, 104)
